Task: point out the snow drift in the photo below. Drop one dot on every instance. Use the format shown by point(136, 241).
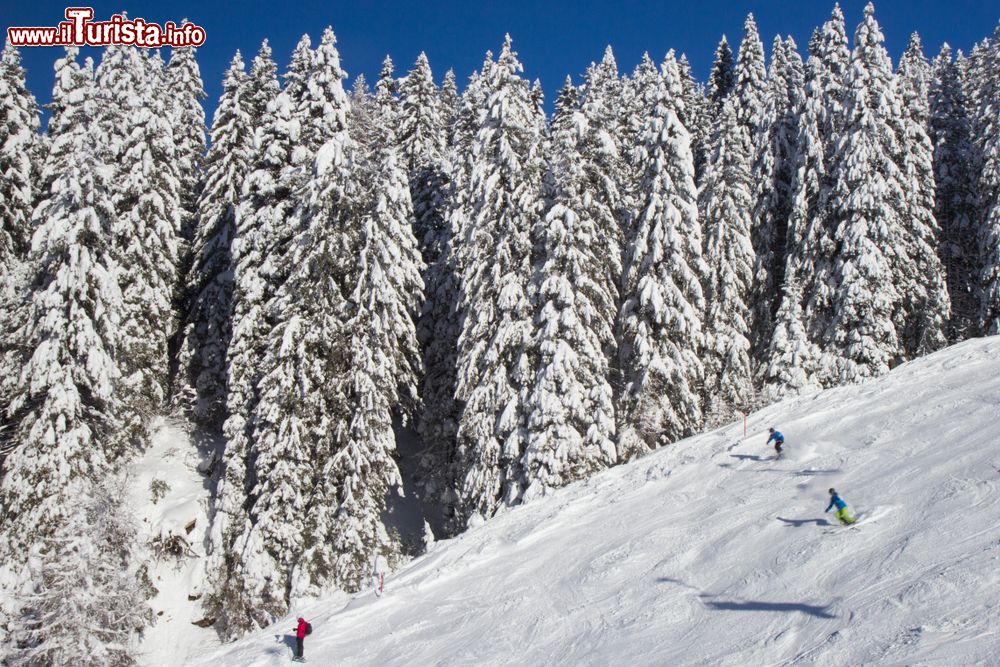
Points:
point(709, 552)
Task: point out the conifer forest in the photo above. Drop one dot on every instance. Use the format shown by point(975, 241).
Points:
point(317, 274)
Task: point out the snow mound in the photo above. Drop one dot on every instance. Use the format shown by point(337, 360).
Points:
point(709, 552)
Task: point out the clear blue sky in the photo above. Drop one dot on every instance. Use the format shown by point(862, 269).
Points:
point(553, 38)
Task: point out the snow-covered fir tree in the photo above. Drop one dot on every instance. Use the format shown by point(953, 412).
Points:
point(65, 409)
point(722, 78)
point(792, 357)
point(147, 193)
point(266, 440)
point(750, 90)
point(986, 82)
point(187, 117)
point(925, 310)
point(773, 192)
point(956, 199)
point(750, 79)
point(865, 204)
point(320, 110)
point(311, 316)
point(422, 138)
point(19, 146)
point(297, 76)
point(697, 117)
point(263, 84)
point(606, 177)
point(495, 265)
point(20, 162)
point(266, 225)
point(87, 606)
point(386, 92)
point(363, 114)
point(383, 369)
point(440, 321)
point(422, 118)
point(725, 206)
point(639, 98)
point(660, 323)
point(209, 283)
point(450, 105)
point(809, 242)
point(570, 403)
point(601, 147)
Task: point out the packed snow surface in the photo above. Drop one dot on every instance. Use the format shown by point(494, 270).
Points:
point(709, 552)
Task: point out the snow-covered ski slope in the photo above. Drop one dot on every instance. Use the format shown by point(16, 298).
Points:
point(709, 553)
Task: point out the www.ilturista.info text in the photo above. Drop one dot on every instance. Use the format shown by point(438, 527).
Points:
point(80, 30)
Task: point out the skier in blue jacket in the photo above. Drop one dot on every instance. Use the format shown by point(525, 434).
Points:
point(778, 440)
point(838, 502)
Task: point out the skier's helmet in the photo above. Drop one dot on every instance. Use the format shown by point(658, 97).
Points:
point(771, 430)
point(832, 491)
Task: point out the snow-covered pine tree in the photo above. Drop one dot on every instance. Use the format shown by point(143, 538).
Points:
point(722, 78)
point(422, 137)
point(421, 119)
point(440, 321)
point(495, 265)
point(725, 207)
point(955, 166)
point(450, 105)
point(272, 527)
point(147, 193)
point(810, 246)
point(321, 111)
point(426, 118)
point(362, 116)
point(209, 284)
point(697, 117)
point(601, 148)
point(383, 368)
point(773, 188)
point(187, 117)
point(87, 605)
point(297, 76)
point(792, 357)
point(266, 226)
point(660, 324)
point(639, 99)
point(20, 162)
point(987, 133)
point(570, 404)
point(18, 151)
point(386, 91)
point(66, 405)
point(923, 317)
point(263, 84)
point(865, 204)
point(567, 102)
point(750, 89)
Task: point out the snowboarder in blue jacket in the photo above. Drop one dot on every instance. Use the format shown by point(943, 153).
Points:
point(838, 502)
point(778, 440)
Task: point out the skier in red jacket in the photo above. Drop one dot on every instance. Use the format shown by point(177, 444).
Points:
point(300, 635)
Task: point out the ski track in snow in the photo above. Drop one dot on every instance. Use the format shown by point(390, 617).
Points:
point(710, 552)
